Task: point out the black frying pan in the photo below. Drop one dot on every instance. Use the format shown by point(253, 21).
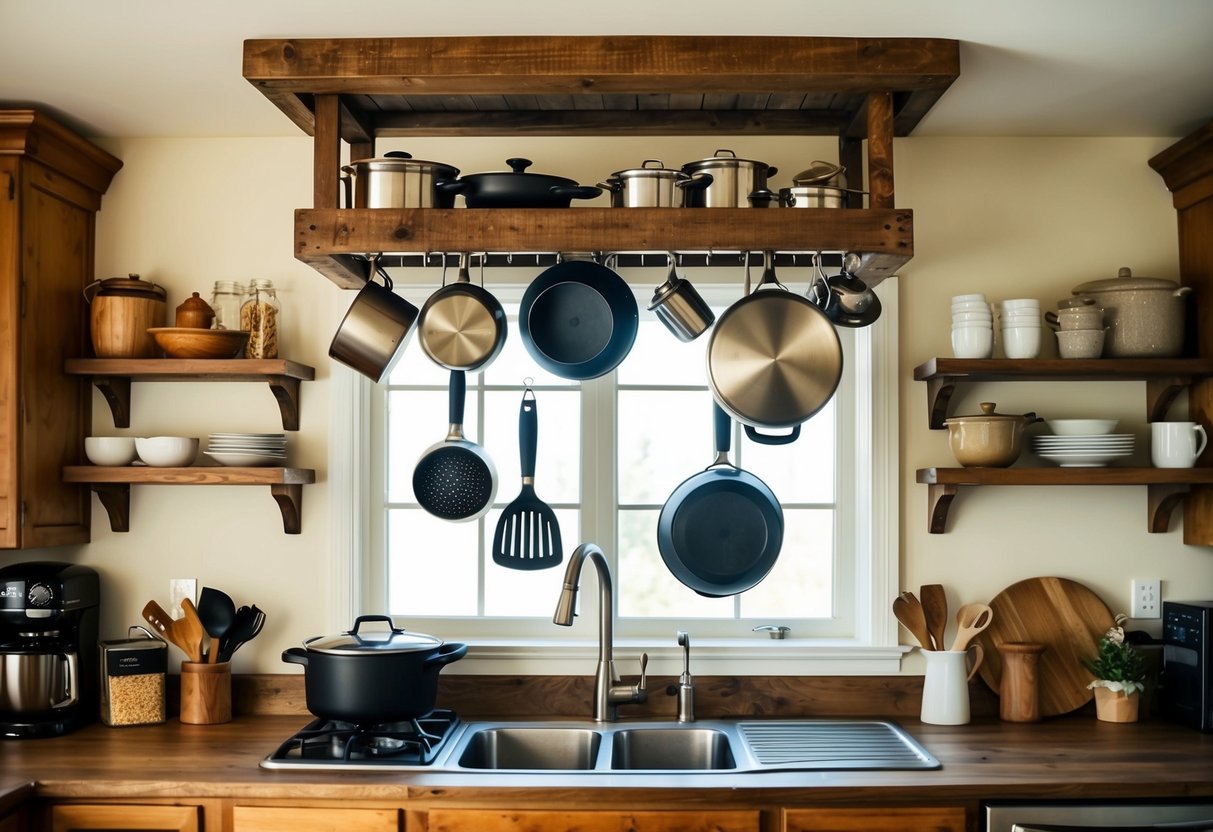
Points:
point(721, 530)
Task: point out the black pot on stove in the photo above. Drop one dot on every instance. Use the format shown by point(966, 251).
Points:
point(374, 676)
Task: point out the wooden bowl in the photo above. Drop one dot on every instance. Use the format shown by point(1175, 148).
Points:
point(188, 342)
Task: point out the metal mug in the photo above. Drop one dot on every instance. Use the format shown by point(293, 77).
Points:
point(678, 305)
point(373, 334)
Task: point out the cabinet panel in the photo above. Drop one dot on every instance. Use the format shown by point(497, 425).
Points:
point(84, 817)
point(303, 819)
point(876, 819)
point(476, 820)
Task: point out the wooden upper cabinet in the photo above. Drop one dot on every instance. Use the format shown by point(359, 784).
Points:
point(51, 183)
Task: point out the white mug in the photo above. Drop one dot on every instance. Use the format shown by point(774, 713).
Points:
point(945, 690)
point(1176, 444)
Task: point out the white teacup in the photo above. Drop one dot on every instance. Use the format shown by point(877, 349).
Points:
point(1176, 444)
point(1021, 341)
point(972, 341)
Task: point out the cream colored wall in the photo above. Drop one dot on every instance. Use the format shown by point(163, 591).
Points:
point(1004, 217)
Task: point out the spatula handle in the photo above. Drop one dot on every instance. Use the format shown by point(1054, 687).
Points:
point(528, 434)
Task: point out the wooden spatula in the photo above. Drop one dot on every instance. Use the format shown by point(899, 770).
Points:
point(193, 634)
point(909, 612)
point(935, 608)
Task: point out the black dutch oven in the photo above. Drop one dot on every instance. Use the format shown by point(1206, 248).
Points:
point(379, 676)
point(516, 188)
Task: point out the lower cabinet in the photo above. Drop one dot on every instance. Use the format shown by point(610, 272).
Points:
point(302, 819)
point(84, 817)
point(498, 820)
point(875, 819)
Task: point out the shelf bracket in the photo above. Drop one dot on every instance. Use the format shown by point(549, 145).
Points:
point(290, 502)
point(286, 391)
point(1162, 502)
point(117, 393)
point(1160, 394)
point(939, 500)
point(116, 498)
point(939, 393)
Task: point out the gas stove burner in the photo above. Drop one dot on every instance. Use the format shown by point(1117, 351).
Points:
point(338, 744)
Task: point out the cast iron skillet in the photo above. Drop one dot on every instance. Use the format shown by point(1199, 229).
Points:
point(578, 319)
point(721, 530)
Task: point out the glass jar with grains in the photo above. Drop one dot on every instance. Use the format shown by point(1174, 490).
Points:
point(259, 317)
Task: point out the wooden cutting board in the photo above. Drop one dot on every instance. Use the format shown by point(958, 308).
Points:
point(1066, 617)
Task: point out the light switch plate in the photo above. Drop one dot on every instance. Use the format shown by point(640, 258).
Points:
point(179, 588)
point(1147, 598)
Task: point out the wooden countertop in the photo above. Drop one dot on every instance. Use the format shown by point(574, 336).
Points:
point(1067, 757)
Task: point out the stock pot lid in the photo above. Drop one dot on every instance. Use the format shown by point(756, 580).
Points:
point(377, 642)
point(1126, 282)
point(988, 415)
point(399, 160)
point(130, 286)
point(727, 159)
point(650, 169)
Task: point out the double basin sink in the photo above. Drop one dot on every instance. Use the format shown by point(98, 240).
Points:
point(700, 747)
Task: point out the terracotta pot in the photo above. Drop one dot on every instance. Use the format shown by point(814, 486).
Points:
point(1115, 706)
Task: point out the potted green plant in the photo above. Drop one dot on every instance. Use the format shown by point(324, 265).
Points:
point(1120, 676)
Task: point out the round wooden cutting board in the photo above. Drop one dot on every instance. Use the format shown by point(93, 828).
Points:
point(1066, 617)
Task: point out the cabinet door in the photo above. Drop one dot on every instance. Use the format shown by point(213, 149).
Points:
point(477, 820)
point(875, 819)
point(10, 504)
point(84, 818)
point(304, 819)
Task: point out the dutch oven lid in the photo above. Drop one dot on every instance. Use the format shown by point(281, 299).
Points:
point(1125, 282)
point(131, 286)
point(373, 642)
point(988, 415)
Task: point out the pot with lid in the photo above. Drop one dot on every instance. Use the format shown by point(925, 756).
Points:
point(518, 188)
point(122, 311)
point(988, 439)
point(397, 180)
point(736, 183)
point(373, 676)
point(1144, 315)
point(652, 185)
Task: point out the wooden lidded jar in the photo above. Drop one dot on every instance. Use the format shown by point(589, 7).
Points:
point(1019, 689)
point(123, 309)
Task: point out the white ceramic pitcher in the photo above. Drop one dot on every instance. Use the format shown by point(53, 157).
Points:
point(945, 690)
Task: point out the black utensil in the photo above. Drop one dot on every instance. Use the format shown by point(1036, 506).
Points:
point(247, 624)
point(217, 611)
point(528, 534)
point(455, 479)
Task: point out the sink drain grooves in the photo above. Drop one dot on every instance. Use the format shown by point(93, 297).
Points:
point(874, 745)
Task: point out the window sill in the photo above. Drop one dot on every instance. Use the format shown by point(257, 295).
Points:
point(709, 657)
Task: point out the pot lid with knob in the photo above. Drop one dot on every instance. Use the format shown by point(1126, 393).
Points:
point(373, 642)
point(1126, 282)
point(131, 286)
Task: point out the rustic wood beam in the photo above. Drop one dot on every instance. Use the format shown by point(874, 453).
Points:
point(880, 150)
point(326, 153)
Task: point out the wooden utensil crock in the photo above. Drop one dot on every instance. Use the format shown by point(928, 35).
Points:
point(206, 693)
point(1019, 690)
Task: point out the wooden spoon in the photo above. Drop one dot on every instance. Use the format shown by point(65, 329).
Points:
point(909, 612)
point(935, 607)
point(971, 619)
point(165, 625)
point(193, 634)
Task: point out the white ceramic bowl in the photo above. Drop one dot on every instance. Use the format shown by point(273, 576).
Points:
point(961, 317)
point(1020, 303)
point(1082, 427)
point(972, 342)
point(167, 451)
point(1021, 341)
point(978, 297)
point(110, 450)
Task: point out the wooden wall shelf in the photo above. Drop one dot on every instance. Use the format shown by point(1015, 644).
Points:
point(113, 486)
point(113, 377)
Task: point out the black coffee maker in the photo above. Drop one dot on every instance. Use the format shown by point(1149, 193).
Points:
point(48, 648)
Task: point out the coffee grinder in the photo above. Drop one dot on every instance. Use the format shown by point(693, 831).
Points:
point(48, 648)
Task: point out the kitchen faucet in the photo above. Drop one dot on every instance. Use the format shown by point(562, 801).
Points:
point(685, 689)
point(608, 694)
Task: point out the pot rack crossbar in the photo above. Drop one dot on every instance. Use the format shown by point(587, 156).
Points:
point(865, 91)
point(623, 260)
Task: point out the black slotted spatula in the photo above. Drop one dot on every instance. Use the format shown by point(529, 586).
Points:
point(527, 534)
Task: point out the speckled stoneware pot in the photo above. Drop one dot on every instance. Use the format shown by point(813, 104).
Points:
point(1144, 315)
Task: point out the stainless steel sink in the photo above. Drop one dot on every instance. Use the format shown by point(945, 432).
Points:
point(703, 747)
point(535, 749)
point(672, 749)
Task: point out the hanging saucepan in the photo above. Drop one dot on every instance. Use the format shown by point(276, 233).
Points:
point(736, 183)
point(721, 530)
point(774, 358)
point(372, 335)
point(652, 185)
point(398, 181)
point(578, 319)
point(367, 677)
point(680, 307)
point(455, 479)
point(518, 189)
point(462, 326)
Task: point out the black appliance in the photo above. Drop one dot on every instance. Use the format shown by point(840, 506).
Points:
point(334, 745)
point(48, 648)
point(1128, 816)
point(1187, 663)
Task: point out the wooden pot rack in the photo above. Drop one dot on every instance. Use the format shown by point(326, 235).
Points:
point(356, 90)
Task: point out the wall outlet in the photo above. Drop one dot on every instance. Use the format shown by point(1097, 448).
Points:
point(179, 588)
point(1147, 598)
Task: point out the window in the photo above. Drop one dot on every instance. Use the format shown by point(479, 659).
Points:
point(610, 451)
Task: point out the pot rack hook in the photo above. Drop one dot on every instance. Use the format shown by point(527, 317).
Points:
point(526, 388)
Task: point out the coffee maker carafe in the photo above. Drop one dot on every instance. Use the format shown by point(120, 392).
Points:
point(48, 648)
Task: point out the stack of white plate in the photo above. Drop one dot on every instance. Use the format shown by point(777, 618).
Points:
point(247, 449)
point(1084, 451)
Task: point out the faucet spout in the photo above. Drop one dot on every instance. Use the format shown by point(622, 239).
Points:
point(607, 694)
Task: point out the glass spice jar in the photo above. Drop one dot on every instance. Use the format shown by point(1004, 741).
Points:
point(259, 317)
point(226, 299)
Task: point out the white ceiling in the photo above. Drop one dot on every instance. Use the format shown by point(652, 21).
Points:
point(1028, 67)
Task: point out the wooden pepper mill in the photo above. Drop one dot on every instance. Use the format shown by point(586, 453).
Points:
point(1018, 690)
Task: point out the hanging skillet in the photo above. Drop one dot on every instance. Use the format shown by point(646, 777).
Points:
point(774, 358)
point(455, 479)
point(721, 530)
point(462, 326)
point(578, 319)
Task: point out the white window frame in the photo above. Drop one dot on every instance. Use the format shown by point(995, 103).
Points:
point(872, 650)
